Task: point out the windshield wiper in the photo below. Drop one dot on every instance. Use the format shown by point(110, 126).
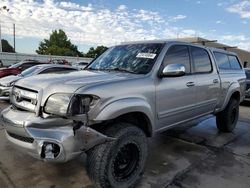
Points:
point(122, 70)
point(90, 68)
point(114, 69)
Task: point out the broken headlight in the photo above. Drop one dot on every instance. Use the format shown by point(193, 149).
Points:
point(81, 104)
point(57, 104)
point(69, 105)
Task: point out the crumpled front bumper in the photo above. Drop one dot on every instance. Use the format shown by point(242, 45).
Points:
point(33, 134)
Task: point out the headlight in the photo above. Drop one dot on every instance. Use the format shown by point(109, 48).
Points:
point(69, 104)
point(57, 104)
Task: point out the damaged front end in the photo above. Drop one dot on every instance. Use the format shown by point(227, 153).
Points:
point(60, 136)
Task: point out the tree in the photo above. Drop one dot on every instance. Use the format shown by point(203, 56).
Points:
point(58, 44)
point(95, 52)
point(7, 47)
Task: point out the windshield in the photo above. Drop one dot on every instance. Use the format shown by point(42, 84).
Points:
point(133, 58)
point(31, 71)
point(247, 74)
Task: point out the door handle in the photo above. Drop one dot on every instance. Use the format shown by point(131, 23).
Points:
point(190, 84)
point(215, 81)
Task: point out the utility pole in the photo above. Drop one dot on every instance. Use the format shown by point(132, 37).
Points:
point(14, 36)
point(4, 8)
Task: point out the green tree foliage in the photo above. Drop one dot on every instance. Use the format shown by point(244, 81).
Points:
point(58, 44)
point(95, 52)
point(6, 47)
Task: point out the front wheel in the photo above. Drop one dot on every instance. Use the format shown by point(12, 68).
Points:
point(227, 119)
point(119, 163)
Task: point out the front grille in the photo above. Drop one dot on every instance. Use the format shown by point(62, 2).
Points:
point(21, 138)
point(25, 99)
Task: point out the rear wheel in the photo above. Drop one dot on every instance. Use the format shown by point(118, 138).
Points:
point(227, 119)
point(119, 163)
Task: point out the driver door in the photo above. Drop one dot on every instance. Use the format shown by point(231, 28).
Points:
point(175, 96)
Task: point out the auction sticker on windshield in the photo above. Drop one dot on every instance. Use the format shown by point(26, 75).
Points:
point(146, 55)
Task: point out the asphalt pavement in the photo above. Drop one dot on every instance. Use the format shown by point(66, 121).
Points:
point(194, 155)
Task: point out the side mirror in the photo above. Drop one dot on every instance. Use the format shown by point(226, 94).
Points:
point(173, 70)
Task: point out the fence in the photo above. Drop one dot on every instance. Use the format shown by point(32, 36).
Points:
point(11, 58)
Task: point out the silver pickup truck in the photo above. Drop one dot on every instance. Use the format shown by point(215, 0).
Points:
point(131, 92)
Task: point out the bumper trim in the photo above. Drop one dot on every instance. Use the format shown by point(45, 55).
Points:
point(21, 138)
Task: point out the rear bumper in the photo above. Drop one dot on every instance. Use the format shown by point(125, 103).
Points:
point(51, 139)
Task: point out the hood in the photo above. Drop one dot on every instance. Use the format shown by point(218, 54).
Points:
point(5, 81)
point(70, 82)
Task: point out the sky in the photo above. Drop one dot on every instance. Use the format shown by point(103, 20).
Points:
point(109, 22)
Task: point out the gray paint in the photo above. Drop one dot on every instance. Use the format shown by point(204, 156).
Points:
point(165, 101)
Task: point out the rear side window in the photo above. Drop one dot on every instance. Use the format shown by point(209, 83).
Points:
point(234, 62)
point(178, 54)
point(222, 60)
point(202, 63)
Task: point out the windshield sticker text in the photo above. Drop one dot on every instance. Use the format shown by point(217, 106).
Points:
point(146, 55)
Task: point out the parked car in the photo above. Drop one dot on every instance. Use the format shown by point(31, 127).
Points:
point(59, 61)
point(18, 67)
point(7, 82)
point(130, 92)
point(247, 96)
point(80, 64)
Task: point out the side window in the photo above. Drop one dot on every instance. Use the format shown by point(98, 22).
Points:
point(49, 70)
point(222, 60)
point(178, 55)
point(26, 65)
point(234, 62)
point(202, 62)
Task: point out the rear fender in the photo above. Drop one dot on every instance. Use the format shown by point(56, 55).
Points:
point(235, 87)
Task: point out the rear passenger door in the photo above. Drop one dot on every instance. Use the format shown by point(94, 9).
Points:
point(207, 81)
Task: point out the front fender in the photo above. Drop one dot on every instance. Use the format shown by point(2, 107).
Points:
point(124, 106)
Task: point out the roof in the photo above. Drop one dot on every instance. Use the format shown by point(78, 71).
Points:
point(185, 41)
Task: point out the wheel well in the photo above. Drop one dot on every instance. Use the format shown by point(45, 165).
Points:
point(236, 95)
point(139, 119)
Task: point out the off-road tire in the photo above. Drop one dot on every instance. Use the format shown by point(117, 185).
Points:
point(226, 120)
point(104, 161)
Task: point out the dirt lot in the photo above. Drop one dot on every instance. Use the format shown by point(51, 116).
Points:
point(194, 155)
